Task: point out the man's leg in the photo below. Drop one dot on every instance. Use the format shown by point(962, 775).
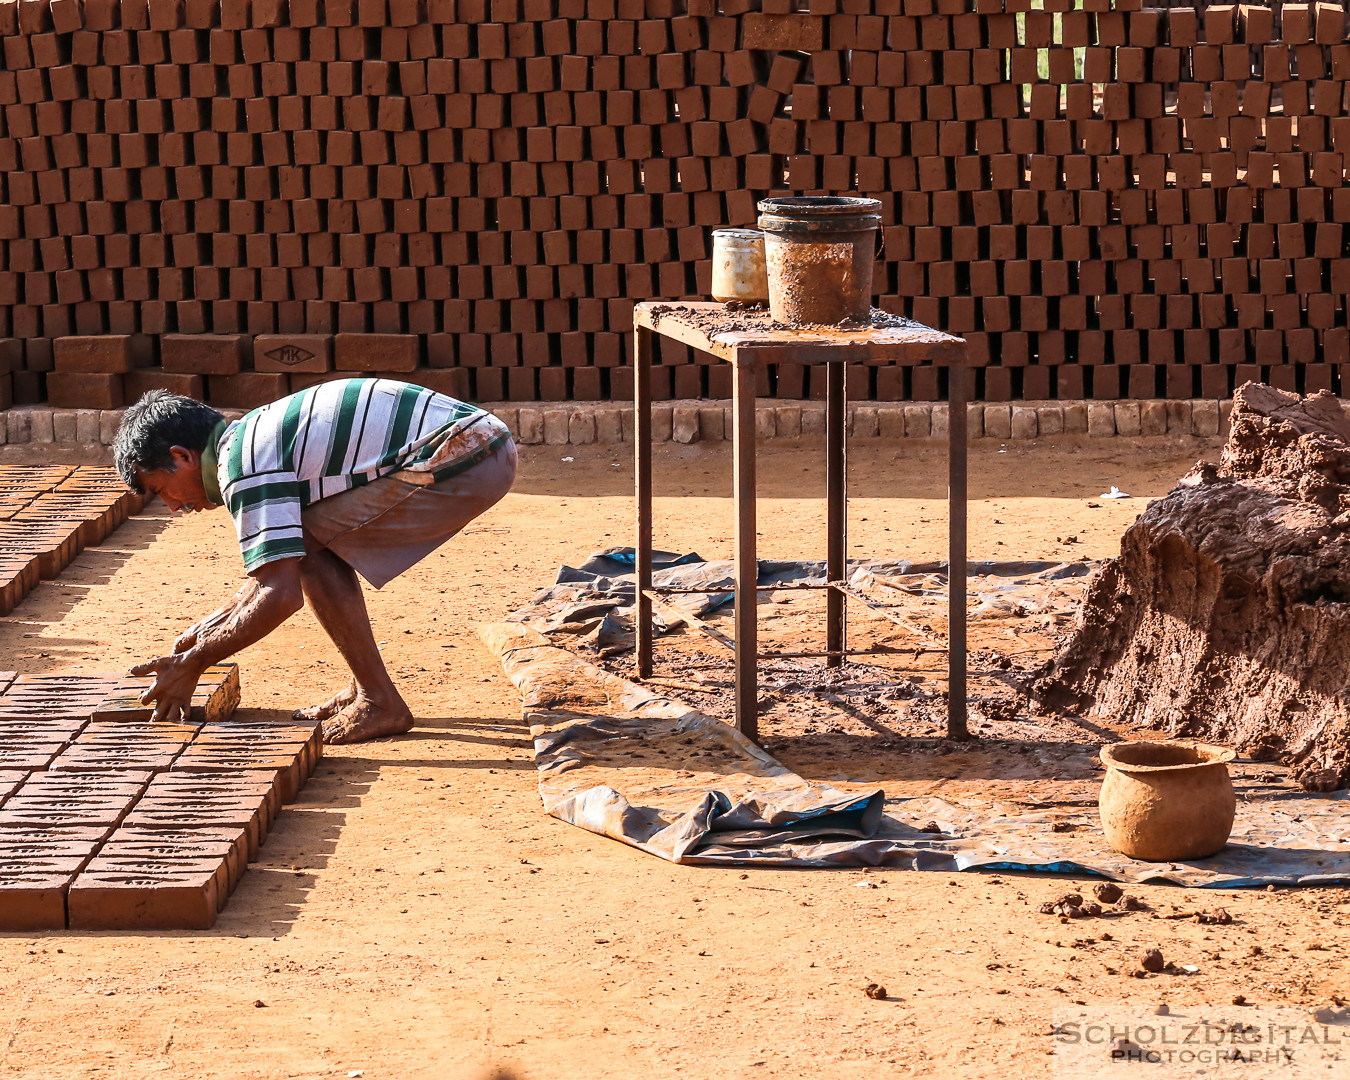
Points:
point(371, 706)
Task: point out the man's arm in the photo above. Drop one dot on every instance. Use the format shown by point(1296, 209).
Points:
point(189, 637)
point(253, 614)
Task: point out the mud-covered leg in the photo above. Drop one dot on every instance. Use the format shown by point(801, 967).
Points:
point(373, 706)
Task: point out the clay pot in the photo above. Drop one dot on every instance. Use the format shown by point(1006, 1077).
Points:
point(1167, 801)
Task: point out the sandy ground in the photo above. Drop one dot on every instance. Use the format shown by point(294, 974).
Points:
point(417, 915)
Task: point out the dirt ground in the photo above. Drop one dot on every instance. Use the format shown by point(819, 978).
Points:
point(415, 914)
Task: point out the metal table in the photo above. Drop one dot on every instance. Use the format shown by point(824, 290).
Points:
point(746, 340)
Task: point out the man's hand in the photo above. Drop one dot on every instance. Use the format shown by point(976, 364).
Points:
point(176, 679)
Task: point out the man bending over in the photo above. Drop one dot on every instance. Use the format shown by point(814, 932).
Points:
point(356, 476)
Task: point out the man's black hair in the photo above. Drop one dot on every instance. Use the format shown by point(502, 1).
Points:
point(152, 427)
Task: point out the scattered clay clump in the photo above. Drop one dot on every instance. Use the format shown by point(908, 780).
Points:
point(1108, 892)
point(1110, 900)
point(1226, 616)
point(1069, 905)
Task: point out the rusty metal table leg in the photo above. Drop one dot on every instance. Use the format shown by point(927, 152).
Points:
point(836, 509)
point(747, 564)
point(957, 391)
point(642, 472)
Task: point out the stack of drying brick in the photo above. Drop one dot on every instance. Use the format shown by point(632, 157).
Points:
point(248, 196)
point(48, 515)
point(112, 821)
point(1164, 223)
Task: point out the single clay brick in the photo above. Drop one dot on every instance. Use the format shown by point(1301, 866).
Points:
point(217, 695)
point(142, 380)
point(204, 354)
point(141, 898)
point(38, 816)
point(292, 352)
point(376, 352)
point(181, 814)
point(453, 382)
point(100, 354)
point(230, 847)
point(183, 847)
point(247, 390)
point(80, 758)
point(66, 390)
point(32, 900)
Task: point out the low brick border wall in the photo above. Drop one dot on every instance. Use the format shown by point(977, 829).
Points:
point(604, 423)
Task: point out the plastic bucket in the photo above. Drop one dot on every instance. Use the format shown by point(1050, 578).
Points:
point(738, 266)
point(819, 252)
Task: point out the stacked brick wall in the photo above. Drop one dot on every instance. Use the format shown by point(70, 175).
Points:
point(233, 200)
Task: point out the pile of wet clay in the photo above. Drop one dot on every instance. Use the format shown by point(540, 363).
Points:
point(1226, 616)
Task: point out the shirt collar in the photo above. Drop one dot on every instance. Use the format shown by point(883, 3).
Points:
point(210, 477)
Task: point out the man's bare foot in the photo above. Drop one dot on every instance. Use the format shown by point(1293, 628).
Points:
point(331, 707)
point(363, 719)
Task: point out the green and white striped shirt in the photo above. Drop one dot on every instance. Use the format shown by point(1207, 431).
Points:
point(330, 438)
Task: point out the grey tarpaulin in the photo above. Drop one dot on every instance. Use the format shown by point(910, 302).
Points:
point(648, 770)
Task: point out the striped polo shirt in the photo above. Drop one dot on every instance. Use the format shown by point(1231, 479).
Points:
point(333, 437)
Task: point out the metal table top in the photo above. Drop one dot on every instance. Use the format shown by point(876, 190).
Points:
point(748, 338)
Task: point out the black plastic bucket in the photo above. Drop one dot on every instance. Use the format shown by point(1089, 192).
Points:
point(819, 251)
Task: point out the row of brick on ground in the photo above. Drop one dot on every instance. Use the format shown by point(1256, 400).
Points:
point(110, 820)
point(49, 514)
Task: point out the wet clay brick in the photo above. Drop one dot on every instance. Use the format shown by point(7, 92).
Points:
point(292, 352)
point(37, 756)
point(217, 694)
point(247, 390)
point(54, 697)
point(78, 758)
point(235, 837)
point(175, 817)
point(23, 847)
point(183, 847)
point(309, 732)
point(215, 699)
point(259, 784)
point(141, 381)
point(204, 354)
point(796, 32)
point(39, 820)
point(107, 354)
point(9, 783)
point(108, 782)
point(136, 898)
point(66, 390)
point(123, 701)
point(110, 354)
point(33, 900)
point(86, 811)
point(290, 769)
point(376, 352)
point(261, 803)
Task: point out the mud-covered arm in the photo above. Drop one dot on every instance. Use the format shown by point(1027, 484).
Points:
point(221, 615)
point(273, 596)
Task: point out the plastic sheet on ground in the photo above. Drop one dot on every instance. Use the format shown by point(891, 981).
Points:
point(651, 771)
